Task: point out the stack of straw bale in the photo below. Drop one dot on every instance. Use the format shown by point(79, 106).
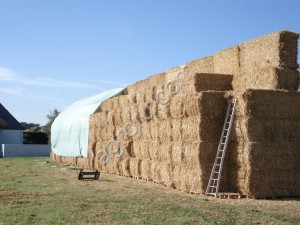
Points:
point(264, 150)
point(176, 142)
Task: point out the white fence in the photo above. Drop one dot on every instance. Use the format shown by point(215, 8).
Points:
point(15, 150)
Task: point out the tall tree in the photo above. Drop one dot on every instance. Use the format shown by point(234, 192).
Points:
point(51, 117)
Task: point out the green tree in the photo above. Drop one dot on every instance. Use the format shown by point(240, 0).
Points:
point(51, 117)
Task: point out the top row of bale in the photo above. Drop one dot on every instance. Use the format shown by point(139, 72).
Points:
point(268, 62)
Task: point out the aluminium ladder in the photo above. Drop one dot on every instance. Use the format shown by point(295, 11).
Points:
point(215, 176)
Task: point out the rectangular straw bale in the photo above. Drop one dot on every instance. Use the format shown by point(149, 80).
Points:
point(164, 130)
point(283, 155)
point(206, 82)
point(123, 101)
point(190, 128)
point(124, 167)
point(202, 65)
point(106, 133)
point(176, 178)
point(267, 78)
point(105, 106)
point(172, 73)
point(135, 167)
point(145, 130)
point(153, 80)
point(110, 166)
point(278, 49)
point(207, 153)
point(185, 184)
point(144, 150)
point(166, 174)
point(132, 98)
point(164, 152)
point(177, 153)
point(100, 120)
point(110, 118)
point(117, 117)
point(227, 61)
point(149, 94)
point(176, 106)
point(140, 97)
point(115, 102)
point(196, 182)
point(147, 111)
point(275, 130)
point(126, 115)
point(115, 162)
point(176, 129)
point(153, 150)
point(136, 149)
point(163, 111)
point(52, 155)
point(154, 126)
point(155, 170)
point(145, 169)
point(207, 103)
point(272, 104)
point(82, 163)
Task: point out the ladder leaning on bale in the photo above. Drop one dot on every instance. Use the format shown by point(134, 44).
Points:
point(215, 176)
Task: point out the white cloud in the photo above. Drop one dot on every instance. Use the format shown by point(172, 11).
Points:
point(7, 74)
point(11, 91)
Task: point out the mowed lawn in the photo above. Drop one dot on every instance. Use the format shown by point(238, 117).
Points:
point(40, 191)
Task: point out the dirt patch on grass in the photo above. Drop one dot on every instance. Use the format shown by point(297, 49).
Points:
point(12, 195)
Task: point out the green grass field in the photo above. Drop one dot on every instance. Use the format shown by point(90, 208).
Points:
point(39, 191)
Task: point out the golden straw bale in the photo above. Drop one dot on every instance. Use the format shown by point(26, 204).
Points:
point(272, 104)
point(144, 150)
point(176, 178)
point(136, 149)
point(135, 167)
point(123, 101)
point(154, 126)
point(176, 106)
point(176, 129)
point(124, 167)
point(145, 169)
point(153, 80)
point(227, 61)
point(145, 131)
point(52, 155)
point(203, 65)
point(117, 117)
point(155, 169)
point(110, 118)
point(190, 128)
point(165, 130)
point(177, 153)
point(166, 174)
point(164, 151)
point(126, 115)
point(163, 111)
point(267, 78)
point(105, 106)
point(132, 98)
point(140, 97)
point(153, 150)
point(206, 82)
point(278, 49)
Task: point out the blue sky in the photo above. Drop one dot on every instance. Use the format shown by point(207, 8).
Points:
point(54, 52)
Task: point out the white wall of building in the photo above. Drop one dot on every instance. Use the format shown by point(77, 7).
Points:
point(15, 150)
point(11, 136)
